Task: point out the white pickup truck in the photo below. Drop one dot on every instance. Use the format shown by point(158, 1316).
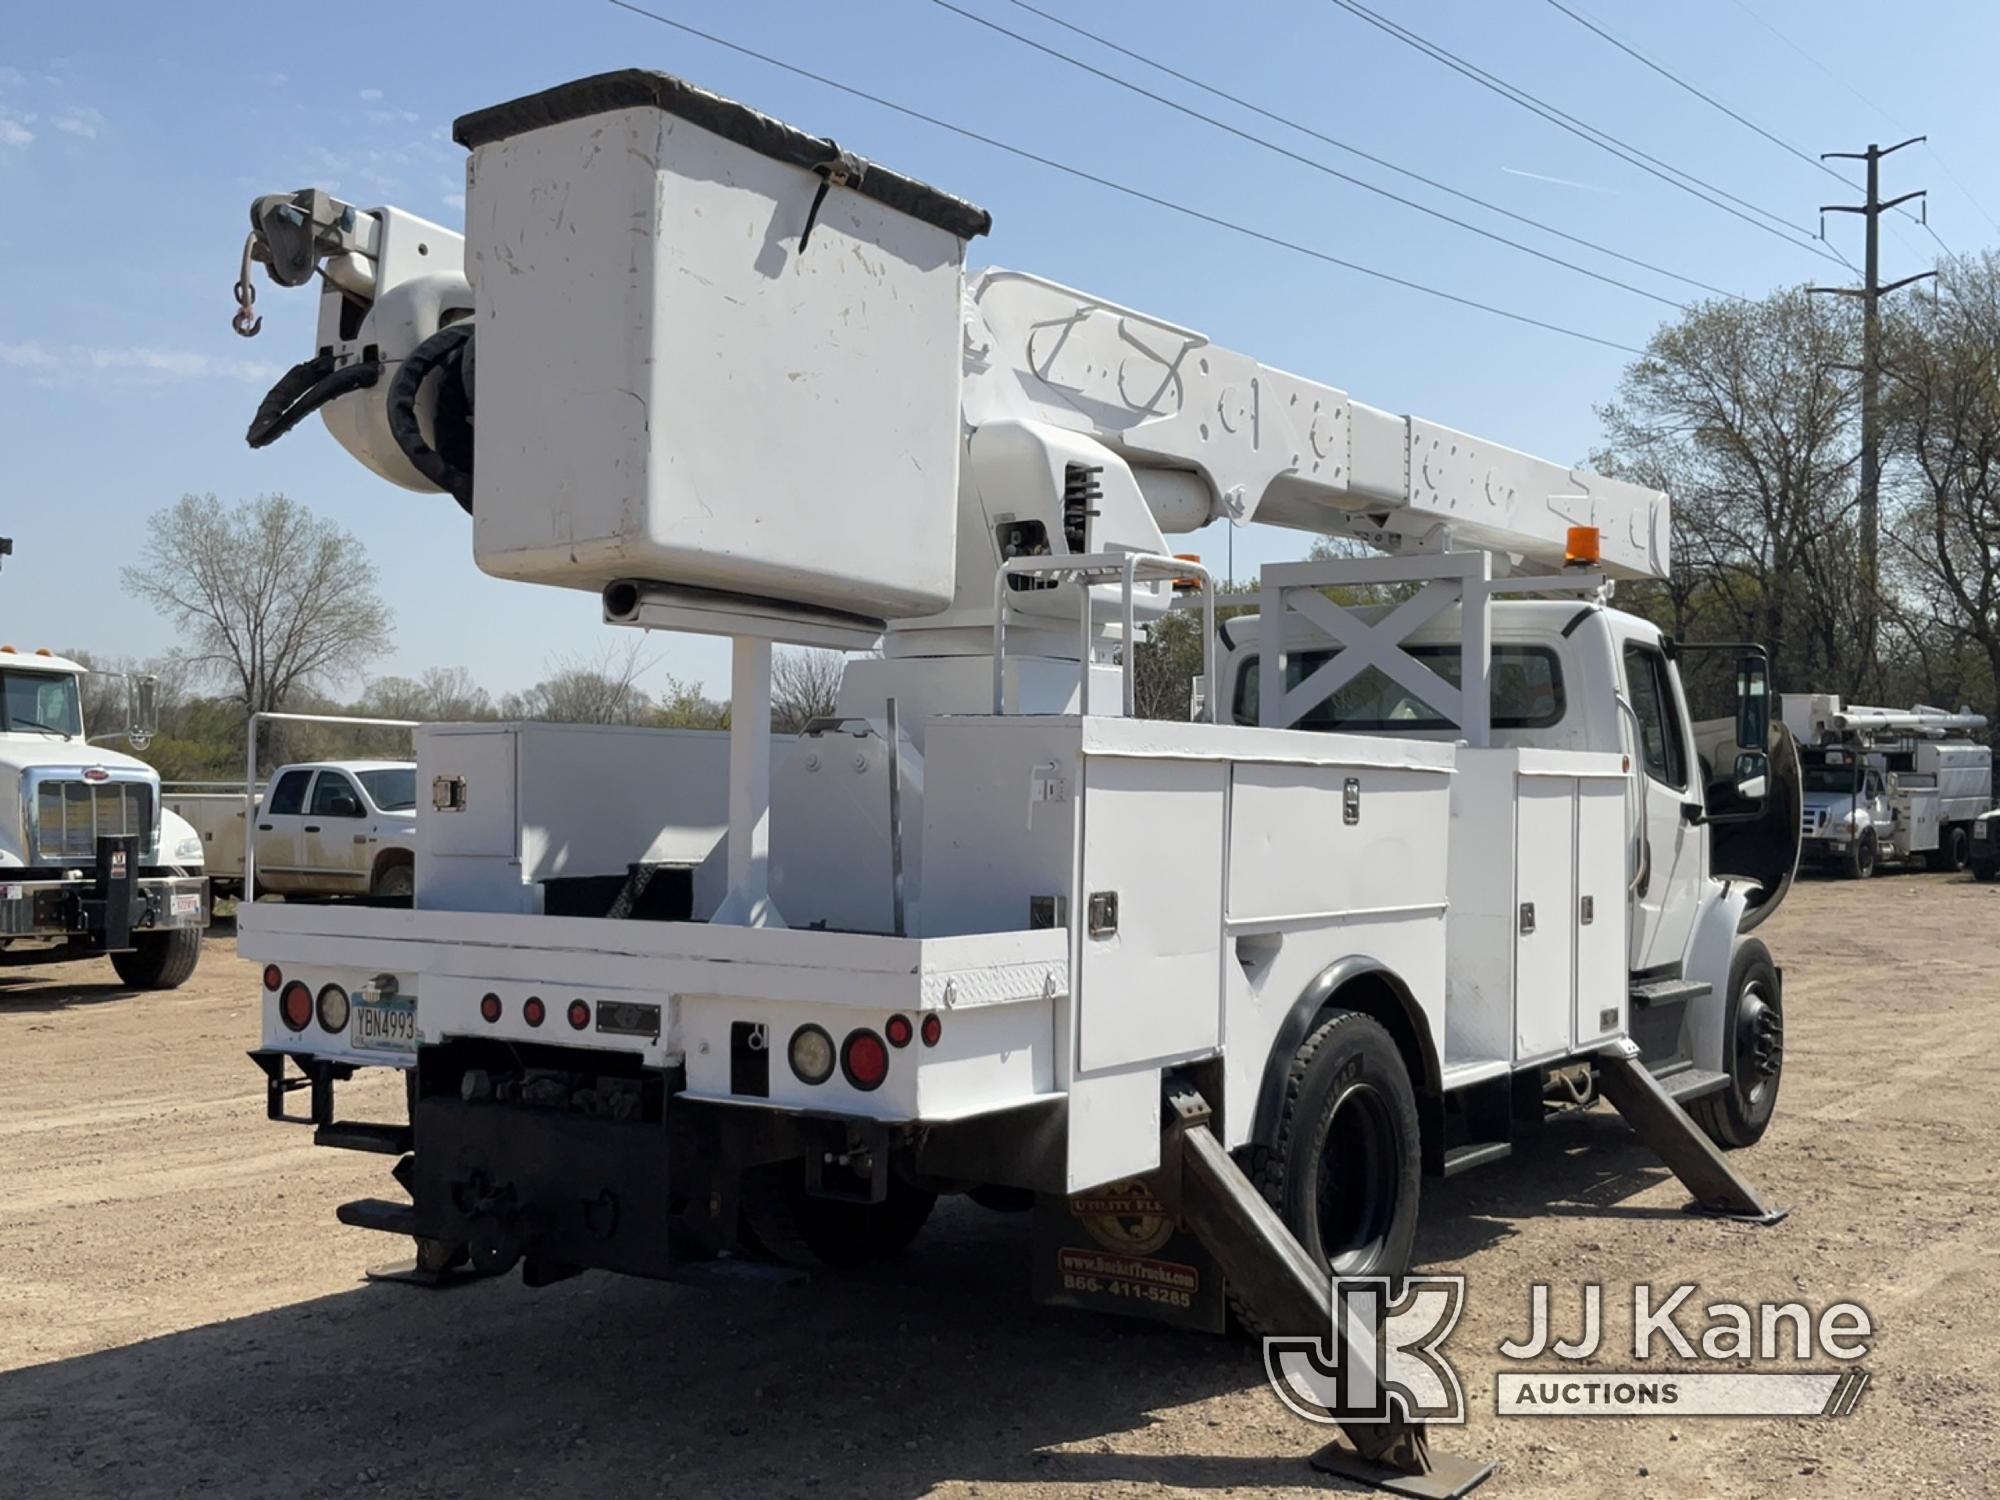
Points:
point(324, 828)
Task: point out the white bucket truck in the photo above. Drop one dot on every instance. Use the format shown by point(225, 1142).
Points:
point(1437, 862)
point(1890, 783)
point(90, 863)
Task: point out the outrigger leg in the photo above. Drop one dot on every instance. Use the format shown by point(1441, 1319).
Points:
point(1664, 1126)
point(1269, 1270)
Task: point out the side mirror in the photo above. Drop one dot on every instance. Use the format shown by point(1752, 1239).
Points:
point(142, 710)
point(1753, 776)
point(1753, 703)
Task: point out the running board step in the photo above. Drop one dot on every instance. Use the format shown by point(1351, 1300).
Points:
point(1657, 992)
point(1690, 1084)
point(1290, 1293)
point(386, 1140)
point(1477, 1154)
point(378, 1213)
point(1664, 1126)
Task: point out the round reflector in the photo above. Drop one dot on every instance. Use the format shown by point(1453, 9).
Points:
point(579, 1014)
point(295, 1005)
point(864, 1060)
point(333, 1008)
point(489, 1008)
point(899, 1031)
point(933, 1029)
point(811, 1054)
point(533, 1011)
point(274, 977)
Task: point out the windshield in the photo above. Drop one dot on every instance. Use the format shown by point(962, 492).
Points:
point(392, 791)
point(1842, 779)
point(39, 703)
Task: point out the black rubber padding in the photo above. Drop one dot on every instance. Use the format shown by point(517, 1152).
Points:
point(638, 88)
point(303, 390)
point(442, 349)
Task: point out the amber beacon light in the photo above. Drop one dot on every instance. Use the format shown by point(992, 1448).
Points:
point(1583, 547)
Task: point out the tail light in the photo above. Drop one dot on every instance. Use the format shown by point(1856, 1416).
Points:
point(533, 1011)
point(333, 1008)
point(295, 1006)
point(489, 1008)
point(579, 1014)
point(933, 1029)
point(864, 1059)
point(274, 977)
point(899, 1031)
point(811, 1054)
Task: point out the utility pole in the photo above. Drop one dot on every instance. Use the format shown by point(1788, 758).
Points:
point(1871, 292)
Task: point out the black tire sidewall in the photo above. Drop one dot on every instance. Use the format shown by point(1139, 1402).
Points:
point(1745, 1122)
point(1350, 1051)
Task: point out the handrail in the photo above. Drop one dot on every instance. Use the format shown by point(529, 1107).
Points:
point(1127, 568)
point(250, 776)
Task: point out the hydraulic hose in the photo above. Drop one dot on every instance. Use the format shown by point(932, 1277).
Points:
point(303, 390)
point(449, 465)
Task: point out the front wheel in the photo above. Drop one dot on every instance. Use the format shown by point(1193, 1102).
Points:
point(1753, 1052)
point(396, 882)
point(160, 960)
point(1343, 1173)
point(1861, 856)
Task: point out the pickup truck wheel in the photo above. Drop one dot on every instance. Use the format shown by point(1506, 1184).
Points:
point(399, 881)
point(1861, 855)
point(1753, 1053)
point(1343, 1172)
point(160, 960)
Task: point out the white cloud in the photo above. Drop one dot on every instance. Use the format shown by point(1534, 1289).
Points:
point(456, 200)
point(13, 133)
point(369, 96)
point(67, 362)
point(85, 122)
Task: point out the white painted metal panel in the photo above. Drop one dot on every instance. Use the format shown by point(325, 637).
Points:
point(1150, 990)
point(673, 389)
point(1545, 899)
point(1114, 1127)
point(1479, 1015)
point(1602, 979)
point(1000, 821)
point(483, 759)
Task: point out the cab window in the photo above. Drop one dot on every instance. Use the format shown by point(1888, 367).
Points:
point(289, 795)
point(1660, 744)
point(334, 797)
point(1526, 684)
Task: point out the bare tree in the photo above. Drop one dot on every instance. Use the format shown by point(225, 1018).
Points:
point(603, 689)
point(443, 695)
point(271, 597)
point(803, 686)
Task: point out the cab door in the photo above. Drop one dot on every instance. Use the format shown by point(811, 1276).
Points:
point(1676, 839)
point(281, 832)
point(337, 849)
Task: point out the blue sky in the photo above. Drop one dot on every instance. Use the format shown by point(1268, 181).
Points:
point(132, 138)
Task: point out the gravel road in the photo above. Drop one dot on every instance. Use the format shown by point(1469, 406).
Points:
point(181, 1315)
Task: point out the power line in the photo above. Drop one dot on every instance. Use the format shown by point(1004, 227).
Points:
point(1303, 160)
point(1367, 156)
point(1603, 140)
point(1118, 187)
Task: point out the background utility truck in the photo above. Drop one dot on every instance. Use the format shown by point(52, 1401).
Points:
point(323, 828)
point(1214, 997)
point(1889, 783)
point(90, 862)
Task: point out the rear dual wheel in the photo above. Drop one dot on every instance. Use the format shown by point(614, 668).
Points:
point(782, 1220)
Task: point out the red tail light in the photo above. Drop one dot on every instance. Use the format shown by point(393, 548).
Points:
point(933, 1029)
point(899, 1031)
point(295, 1005)
point(274, 977)
point(533, 1011)
point(864, 1059)
point(579, 1014)
point(489, 1008)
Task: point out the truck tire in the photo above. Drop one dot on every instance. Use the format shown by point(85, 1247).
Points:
point(160, 960)
point(1344, 1170)
point(398, 880)
point(1753, 1052)
point(784, 1222)
point(1861, 856)
point(1953, 851)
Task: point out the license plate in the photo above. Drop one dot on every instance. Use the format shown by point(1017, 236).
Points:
point(187, 903)
point(386, 1025)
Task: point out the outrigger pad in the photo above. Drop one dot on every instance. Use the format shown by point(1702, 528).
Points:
point(1445, 1477)
point(412, 1273)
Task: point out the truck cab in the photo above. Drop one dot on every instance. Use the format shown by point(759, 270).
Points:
point(90, 862)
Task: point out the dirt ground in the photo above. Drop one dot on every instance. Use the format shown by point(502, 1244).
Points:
point(181, 1315)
